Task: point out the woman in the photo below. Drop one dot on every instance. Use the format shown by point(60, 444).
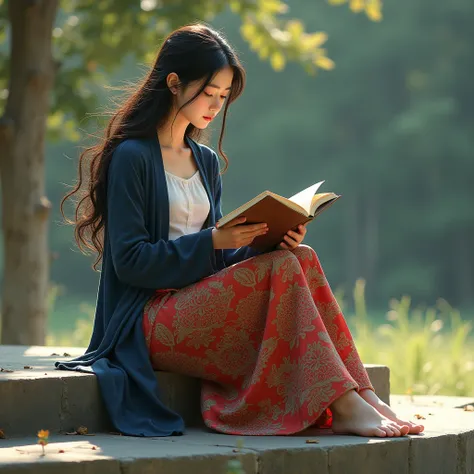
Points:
point(263, 331)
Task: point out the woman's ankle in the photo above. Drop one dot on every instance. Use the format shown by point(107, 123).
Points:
point(345, 403)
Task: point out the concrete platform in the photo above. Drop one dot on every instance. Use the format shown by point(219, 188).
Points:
point(36, 396)
point(446, 447)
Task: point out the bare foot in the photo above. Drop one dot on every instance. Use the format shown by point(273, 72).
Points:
point(372, 399)
point(353, 415)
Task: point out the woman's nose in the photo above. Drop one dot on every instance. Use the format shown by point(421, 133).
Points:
point(215, 106)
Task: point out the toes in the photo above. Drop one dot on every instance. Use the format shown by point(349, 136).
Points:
point(387, 430)
point(395, 429)
point(404, 430)
point(415, 429)
point(380, 432)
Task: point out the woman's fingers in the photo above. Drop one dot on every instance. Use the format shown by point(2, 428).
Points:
point(253, 229)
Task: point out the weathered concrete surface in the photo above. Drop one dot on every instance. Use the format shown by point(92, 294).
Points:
point(58, 400)
point(445, 448)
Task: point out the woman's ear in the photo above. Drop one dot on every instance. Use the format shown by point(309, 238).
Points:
point(172, 81)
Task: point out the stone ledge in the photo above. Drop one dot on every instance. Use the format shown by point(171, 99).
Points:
point(45, 398)
point(447, 447)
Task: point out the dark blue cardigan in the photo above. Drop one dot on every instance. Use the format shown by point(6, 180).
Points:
point(138, 259)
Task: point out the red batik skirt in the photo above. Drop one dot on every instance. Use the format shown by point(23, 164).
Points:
point(267, 338)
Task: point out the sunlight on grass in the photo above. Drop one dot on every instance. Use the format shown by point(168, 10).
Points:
point(429, 351)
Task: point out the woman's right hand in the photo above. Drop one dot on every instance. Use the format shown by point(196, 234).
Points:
point(234, 235)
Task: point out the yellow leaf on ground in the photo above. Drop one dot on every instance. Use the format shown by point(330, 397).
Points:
point(43, 433)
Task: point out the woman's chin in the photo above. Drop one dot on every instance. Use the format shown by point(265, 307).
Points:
point(202, 124)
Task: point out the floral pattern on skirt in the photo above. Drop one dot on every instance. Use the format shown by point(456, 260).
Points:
point(268, 339)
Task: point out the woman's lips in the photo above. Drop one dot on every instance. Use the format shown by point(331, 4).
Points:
point(208, 118)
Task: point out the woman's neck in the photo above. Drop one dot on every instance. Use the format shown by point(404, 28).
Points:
point(175, 141)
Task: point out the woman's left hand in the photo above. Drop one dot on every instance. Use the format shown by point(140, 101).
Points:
point(292, 239)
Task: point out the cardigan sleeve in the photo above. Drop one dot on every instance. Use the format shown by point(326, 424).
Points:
point(230, 256)
point(137, 260)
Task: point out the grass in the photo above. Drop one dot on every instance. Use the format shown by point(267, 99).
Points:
point(430, 351)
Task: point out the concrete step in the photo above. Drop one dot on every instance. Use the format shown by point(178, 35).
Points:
point(447, 447)
point(40, 397)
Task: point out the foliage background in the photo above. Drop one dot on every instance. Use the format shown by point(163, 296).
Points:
point(390, 128)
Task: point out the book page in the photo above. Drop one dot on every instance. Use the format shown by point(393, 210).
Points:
point(320, 199)
point(304, 198)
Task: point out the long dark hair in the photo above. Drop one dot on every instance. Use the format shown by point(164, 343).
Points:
point(194, 52)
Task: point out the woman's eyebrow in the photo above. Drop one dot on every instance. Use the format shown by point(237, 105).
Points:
point(216, 86)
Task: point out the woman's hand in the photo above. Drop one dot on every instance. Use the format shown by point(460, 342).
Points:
point(292, 239)
point(234, 235)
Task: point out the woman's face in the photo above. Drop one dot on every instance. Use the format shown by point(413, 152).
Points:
point(209, 102)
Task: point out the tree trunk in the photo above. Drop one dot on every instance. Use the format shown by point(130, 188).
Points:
point(22, 137)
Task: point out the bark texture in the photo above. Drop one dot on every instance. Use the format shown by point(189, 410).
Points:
point(22, 138)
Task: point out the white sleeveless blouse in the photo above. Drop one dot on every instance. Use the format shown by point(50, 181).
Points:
point(189, 204)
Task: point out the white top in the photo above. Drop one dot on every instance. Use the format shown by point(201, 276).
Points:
point(189, 204)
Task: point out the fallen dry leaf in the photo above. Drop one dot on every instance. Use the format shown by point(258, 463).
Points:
point(54, 355)
point(94, 448)
point(469, 408)
point(2, 434)
point(236, 450)
point(312, 441)
point(82, 431)
point(419, 417)
point(27, 367)
point(66, 355)
point(5, 370)
point(61, 451)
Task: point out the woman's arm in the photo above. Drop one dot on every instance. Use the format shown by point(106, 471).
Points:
point(138, 261)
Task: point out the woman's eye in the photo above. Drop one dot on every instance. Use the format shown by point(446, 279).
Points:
point(210, 95)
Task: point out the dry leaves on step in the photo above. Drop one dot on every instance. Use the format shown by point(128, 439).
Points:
point(5, 370)
point(312, 441)
point(27, 367)
point(82, 430)
point(419, 417)
point(469, 408)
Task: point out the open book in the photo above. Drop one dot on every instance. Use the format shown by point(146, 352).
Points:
point(280, 213)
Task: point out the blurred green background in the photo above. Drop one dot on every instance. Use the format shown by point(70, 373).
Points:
point(391, 128)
